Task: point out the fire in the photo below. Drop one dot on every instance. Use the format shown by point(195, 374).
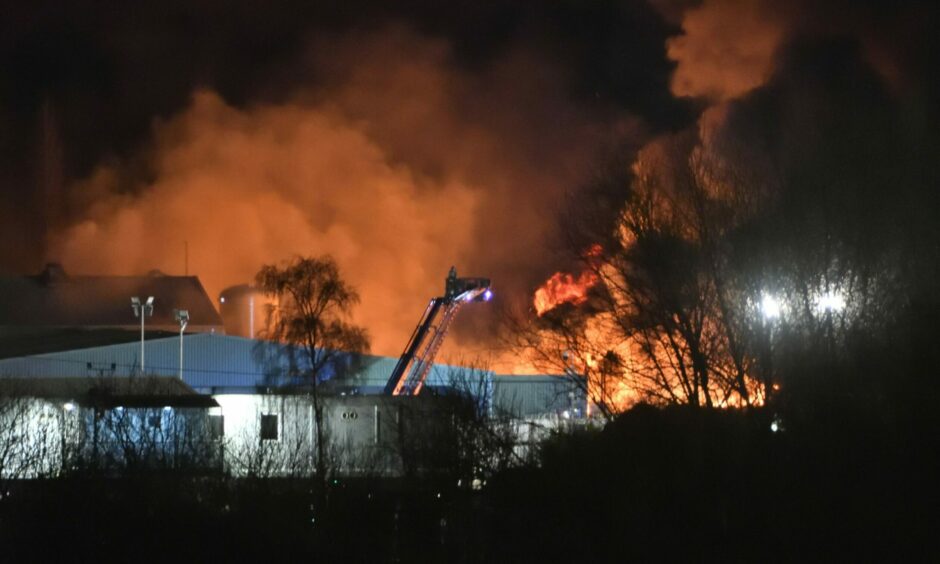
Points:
point(564, 288)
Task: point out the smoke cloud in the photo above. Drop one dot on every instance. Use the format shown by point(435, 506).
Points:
point(396, 163)
point(726, 49)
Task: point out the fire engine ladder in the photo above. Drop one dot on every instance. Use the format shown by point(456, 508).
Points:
point(416, 361)
point(396, 382)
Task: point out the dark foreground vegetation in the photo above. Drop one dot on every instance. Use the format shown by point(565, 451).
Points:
point(834, 483)
point(655, 485)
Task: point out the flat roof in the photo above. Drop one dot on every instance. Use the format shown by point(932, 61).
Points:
point(108, 392)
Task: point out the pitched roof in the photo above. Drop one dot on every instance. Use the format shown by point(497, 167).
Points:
point(56, 299)
point(36, 341)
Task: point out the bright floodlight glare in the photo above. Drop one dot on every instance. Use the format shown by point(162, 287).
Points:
point(69, 406)
point(770, 307)
point(831, 301)
point(487, 295)
point(150, 300)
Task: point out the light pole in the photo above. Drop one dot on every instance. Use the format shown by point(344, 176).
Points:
point(182, 315)
point(142, 310)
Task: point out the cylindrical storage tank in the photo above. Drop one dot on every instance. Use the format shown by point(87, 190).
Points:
point(244, 311)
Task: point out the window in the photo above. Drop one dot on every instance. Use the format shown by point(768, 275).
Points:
point(269, 427)
point(216, 426)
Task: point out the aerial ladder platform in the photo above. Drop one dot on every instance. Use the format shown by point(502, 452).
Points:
point(415, 363)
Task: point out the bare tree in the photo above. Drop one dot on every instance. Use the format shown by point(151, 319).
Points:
point(581, 342)
point(310, 319)
point(28, 446)
point(485, 434)
point(134, 439)
point(671, 317)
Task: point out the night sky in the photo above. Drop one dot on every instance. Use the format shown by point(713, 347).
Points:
point(403, 139)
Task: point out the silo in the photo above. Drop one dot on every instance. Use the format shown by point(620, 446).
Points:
point(244, 310)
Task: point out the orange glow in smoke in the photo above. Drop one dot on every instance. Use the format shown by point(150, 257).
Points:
point(393, 164)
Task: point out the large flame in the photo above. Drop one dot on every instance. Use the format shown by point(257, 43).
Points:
point(564, 288)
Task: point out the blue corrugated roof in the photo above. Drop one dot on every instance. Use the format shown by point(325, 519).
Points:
point(210, 361)
point(227, 364)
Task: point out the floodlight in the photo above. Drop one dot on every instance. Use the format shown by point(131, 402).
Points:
point(770, 307)
point(831, 301)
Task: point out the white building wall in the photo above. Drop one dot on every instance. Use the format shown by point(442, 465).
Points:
point(360, 435)
point(247, 453)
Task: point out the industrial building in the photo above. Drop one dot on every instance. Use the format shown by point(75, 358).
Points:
point(109, 424)
point(256, 406)
point(53, 299)
point(253, 389)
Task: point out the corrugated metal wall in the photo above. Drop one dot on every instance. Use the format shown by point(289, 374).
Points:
point(209, 360)
point(527, 396)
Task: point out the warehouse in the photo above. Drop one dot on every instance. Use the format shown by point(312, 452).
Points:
point(264, 410)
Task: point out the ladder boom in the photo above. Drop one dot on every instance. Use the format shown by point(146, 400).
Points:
point(416, 361)
point(397, 379)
